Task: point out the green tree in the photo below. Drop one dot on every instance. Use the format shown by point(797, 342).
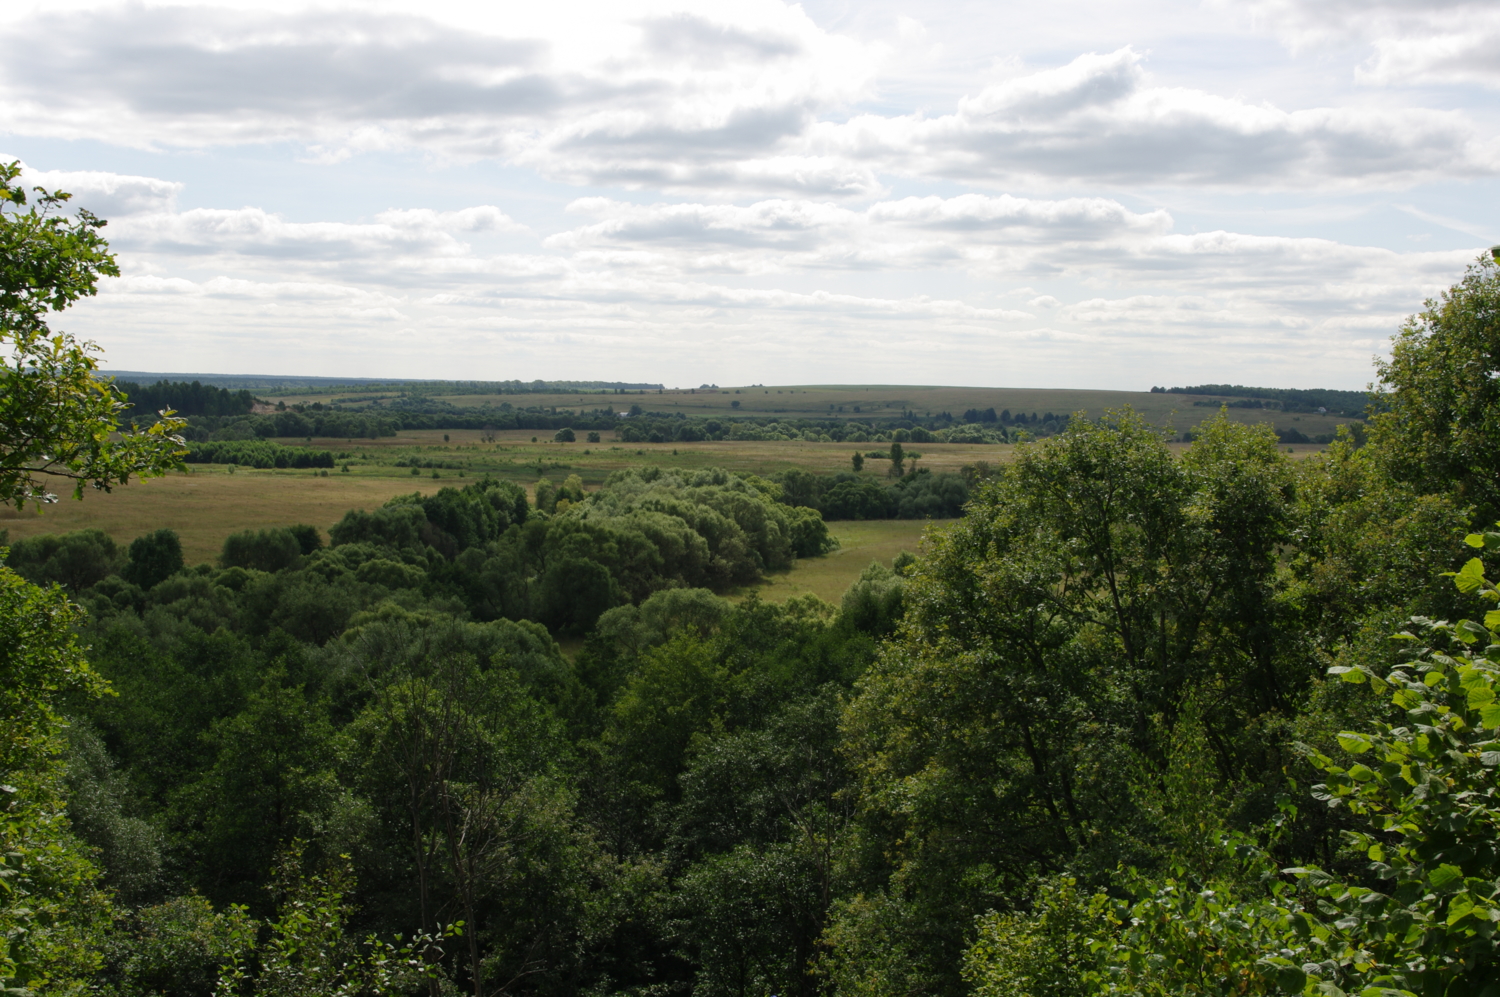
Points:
point(310, 950)
point(1440, 397)
point(270, 782)
point(74, 560)
point(1053, 641)
point(52, 912)
point(154, 558)
point(858, 461)
point(263, 550)
point(1045, 952)
point(174, 949)
point(58, 419)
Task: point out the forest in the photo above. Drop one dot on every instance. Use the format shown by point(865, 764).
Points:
point(1143, 721)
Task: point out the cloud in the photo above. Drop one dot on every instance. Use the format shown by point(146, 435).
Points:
point(1098, 119)
point(109, 195)
point(753, 98)
point(807, 278)
point(681, 99)
point(974, 231)
point(1410, 41)
point(254, 232)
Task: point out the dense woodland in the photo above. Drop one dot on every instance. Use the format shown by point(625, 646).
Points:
point(1135, 724)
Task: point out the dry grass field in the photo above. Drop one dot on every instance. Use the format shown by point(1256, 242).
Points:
point(206, 505)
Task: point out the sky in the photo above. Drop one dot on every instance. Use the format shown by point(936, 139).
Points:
point(1075, 194)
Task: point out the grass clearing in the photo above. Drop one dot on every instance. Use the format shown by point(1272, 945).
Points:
point(860, 543)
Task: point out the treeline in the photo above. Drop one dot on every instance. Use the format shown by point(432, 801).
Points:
point(915, 494)
point(256, 453)
point(1342, 403)
point(638, 425)
point(187, 398)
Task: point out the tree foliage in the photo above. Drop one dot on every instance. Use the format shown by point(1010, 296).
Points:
point(58, 419)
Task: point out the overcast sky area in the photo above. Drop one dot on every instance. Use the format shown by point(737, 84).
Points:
point(1079, 193)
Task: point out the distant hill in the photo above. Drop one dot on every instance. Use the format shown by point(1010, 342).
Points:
point(276, 383)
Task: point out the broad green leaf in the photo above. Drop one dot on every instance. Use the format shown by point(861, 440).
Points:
point(1475, 540)
point(1354, 743)
point(1445, 875)
point(1291, 978)
point(1490, 715)
point(1461, 908)
point(1474, 630)
point(1470, 577)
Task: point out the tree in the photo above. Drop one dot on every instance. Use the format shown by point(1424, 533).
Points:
point(74, 560)
point(57, 418)
point(154, 558)
point(858, 461)
point(263, 550)
point(1056, 639)
point(311, 950)
point(1419, 784)
point(565, 435)
point(1441, 396)
point(898, 461)
point(52, 912)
